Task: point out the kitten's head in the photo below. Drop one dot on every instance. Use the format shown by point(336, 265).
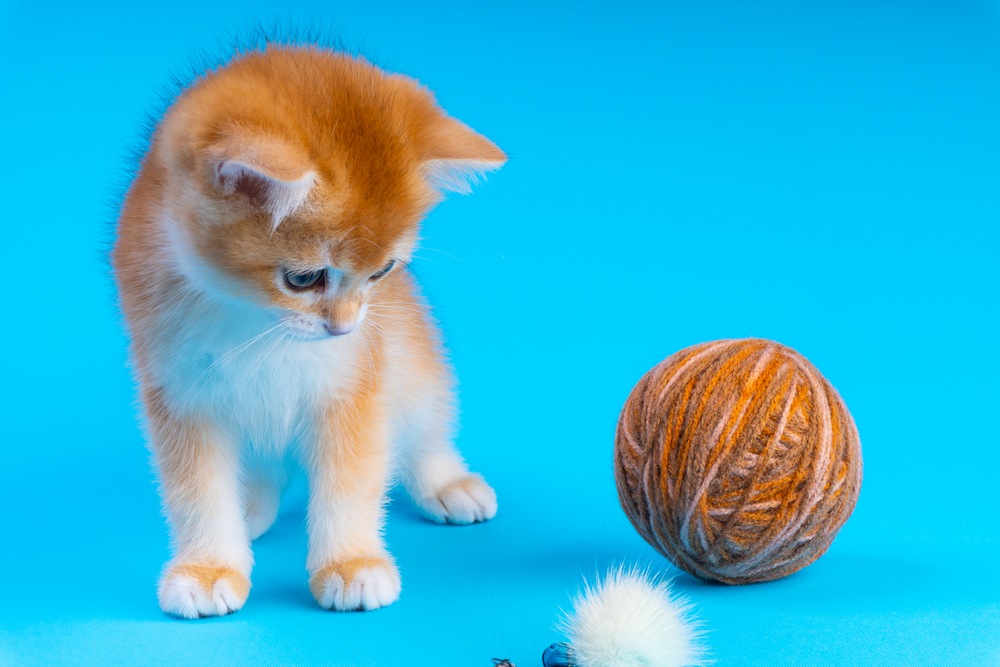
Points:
point(297, 178)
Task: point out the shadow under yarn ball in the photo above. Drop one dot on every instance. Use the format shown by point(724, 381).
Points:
point(737, 460)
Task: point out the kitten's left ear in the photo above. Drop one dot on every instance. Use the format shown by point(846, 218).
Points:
point(271, 174)
point(455, 156)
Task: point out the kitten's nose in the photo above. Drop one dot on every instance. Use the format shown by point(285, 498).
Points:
point(340, 329)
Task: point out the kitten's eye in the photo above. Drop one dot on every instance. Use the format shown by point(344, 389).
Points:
point(303, 281)
point(384, 270)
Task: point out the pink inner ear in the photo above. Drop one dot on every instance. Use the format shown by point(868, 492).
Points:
point(278, 197)
point(243, 181)
point(252, 186)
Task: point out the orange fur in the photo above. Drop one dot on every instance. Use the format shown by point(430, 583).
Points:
point(207, 576)
point(293, 162)
point(346, 570)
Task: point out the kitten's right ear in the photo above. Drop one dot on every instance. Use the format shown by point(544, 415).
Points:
point(455, 156)
point(273, 175)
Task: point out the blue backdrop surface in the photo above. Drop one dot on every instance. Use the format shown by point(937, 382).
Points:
point(822, 173)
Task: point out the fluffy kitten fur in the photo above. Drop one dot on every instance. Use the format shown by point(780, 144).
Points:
point(287, 165)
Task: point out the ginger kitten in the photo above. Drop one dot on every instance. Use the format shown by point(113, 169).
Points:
point(261, 259)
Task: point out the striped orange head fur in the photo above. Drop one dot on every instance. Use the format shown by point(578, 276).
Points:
point(296, 178)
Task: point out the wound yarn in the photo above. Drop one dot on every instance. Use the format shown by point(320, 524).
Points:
point(737, 460)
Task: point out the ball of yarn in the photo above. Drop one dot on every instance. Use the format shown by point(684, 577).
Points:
point(737, 460)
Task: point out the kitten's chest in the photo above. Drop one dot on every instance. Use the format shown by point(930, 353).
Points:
point(261, 382)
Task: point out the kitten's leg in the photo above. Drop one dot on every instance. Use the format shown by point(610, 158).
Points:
point(264, 481)
point(434, 473)
point(209, 574)
point(348, 564)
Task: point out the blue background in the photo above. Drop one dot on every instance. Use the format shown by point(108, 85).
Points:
point(825, 174)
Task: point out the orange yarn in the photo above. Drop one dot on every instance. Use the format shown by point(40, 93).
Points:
point(737, 460)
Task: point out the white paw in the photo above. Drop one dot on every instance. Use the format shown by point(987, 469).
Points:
point(466, 501)
point(362, 583)
point(193, 591)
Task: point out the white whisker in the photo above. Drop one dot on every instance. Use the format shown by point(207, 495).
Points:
point(444, 253)
point(217, 365)
point(264, 355)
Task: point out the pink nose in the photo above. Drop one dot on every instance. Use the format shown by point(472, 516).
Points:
point(339, 330)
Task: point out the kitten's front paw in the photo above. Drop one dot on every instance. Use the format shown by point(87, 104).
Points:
point(466, 501)
point(364, 583)
point(192, 590)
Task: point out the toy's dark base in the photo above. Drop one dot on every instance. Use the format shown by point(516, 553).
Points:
point(558, 655)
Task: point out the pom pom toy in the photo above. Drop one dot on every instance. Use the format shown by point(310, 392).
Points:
point(627, 620)
point(737, 460)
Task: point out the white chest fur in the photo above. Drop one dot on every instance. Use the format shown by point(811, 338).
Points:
point(236, 365)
